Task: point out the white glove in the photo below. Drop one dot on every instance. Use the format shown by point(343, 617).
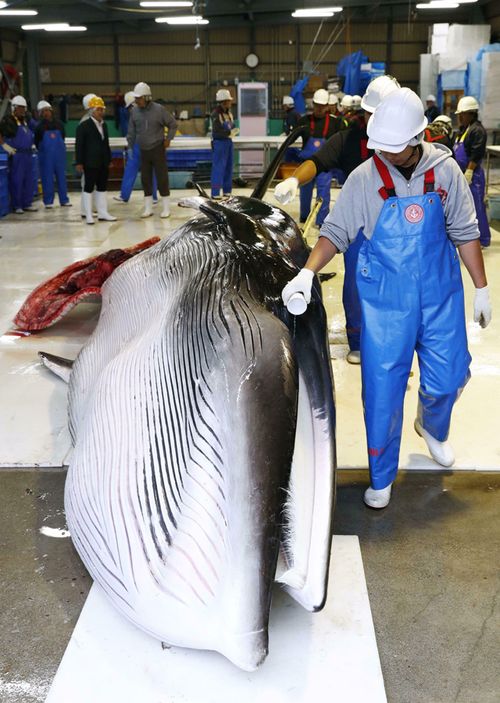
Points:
point(468, 175)
point(235, 131)
point(286, 191)
point(9, 149)
point(482, 306)
point(302, 283)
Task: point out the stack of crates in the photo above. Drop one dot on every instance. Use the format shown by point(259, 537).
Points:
point(4, 184)
point(182, 163)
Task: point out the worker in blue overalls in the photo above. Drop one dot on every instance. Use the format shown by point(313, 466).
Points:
point(133, 162)
point(344, 152)
point(223, 131)
point(317, 128)
point(470, 149)
point(415, 209)
point(20, 149)
point(49, 140)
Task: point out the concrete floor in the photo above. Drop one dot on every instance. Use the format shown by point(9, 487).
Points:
point(431, 558)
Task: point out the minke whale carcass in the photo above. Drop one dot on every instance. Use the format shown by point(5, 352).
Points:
point(203, 421)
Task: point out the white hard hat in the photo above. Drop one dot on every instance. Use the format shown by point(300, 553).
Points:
point(443, 118)
point(42, 105)
point(288, 100)
point(142, 90)
point(467, 104)
point(431, 98)
point(356, 101)
point(18, 101)
point(87, 99)
point(397, 122)
point(346, 101)
point(129, 98)
point(223, 94)
point(332, 99)
point(376, 92)
point(320, 97)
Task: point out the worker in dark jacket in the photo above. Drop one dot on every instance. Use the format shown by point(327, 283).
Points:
point(93, 156)
point(470, 149)
point(291, 117)
point(223, 131)
point(432, 110)
point(317, 128)
point(49, 140)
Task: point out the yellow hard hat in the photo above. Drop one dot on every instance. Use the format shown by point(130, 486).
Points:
point(96, 101)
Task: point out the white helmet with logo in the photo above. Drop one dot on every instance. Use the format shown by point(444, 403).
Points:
point(443, 118)
point(356, 101)
point(333, 99)
point(320, 97)
point(377, 91)
point(129, 98)
point(87, 99)
point(18, 101)
point(346, 101)
point(398, 122)
point(142, 90)
point(42, 105)
point(467, 104)
point(288, 101)
point(223, 94)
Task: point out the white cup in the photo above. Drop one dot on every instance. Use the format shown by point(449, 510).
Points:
point(296, 304)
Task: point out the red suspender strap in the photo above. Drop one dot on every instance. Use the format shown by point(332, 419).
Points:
point(312, 125)
point(429, 181)
point(388, 190)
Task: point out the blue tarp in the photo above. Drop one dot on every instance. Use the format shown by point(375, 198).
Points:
point(473, 73)
point(297, 93)
point(350, 67)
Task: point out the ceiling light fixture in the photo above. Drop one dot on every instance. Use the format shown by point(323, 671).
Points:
point(166, 3)
point(437, 5)
point(19, 13)
point(53, 27)
point(2, 4)
point(317, 12)
point(188, 19)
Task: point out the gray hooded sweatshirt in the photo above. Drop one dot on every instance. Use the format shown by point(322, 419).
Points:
point(359, 202)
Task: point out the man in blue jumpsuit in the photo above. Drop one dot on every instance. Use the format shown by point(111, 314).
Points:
point(317, 128)
point(415, 210)
point(223, 131)
point(470, 149)
point(133, 163)
point(20, 149)
point(49, 140)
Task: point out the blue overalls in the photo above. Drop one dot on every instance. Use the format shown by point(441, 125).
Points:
point(21, 180)
point(412, 299)
point(52, 161)
point(478, 187)
point(222, 162)
point(323, 180)
point(132, 168)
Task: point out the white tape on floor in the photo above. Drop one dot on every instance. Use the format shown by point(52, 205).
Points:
point(331, 655)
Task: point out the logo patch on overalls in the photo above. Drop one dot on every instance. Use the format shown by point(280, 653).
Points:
point(317, 143)
point(414, 213)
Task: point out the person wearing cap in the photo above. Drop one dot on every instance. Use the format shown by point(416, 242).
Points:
point(49, 140)
point(93, 156)
point(292, 117)
point(432, 110)
point(223, 131)
point(415, 210)
point(333, 105)
point(345, 151)
point(86, 115)
point(316, 129)
point(133, 162)
point(470, 149)
point(346, 105)
point(440, 131)
point(152, 128)
point(17, 141)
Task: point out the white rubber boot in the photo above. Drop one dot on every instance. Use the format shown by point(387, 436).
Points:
point(374, 498)
point(165, 210)
point(354, 357)
point(148, 206)
point(441, 452)
point(87, 207)
point(102, 207)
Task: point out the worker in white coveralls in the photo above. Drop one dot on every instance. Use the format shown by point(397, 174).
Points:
point(415, 210)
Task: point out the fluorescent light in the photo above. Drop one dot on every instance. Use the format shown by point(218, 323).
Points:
point(188, 19)
point(437, 5)
point(317, 12)
point(13, 13)
point(53, 27)
point(166, 3)
point(69, 28)
point(3, 4)
point(28, 27)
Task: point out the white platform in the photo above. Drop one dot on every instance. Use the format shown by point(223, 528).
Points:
point(326, 656)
